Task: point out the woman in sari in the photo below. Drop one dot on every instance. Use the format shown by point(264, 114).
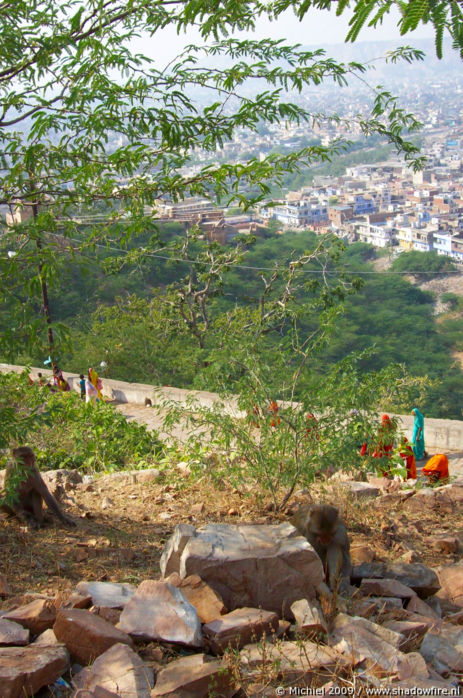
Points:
point(437, 468)
point(418, 435)
point(406, 452)
point(95, 382)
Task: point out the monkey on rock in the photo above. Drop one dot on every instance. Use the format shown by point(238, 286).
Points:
point(30, 489)
point(321, 525)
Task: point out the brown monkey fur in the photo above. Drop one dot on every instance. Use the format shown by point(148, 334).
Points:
point(321, 525)
point(148, 402)
point(31, 491)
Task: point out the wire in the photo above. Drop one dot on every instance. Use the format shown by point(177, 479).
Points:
point(251, 268)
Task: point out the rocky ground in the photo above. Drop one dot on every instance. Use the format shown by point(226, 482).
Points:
point(124, 521)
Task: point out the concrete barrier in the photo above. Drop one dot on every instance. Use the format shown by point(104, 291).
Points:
point(441, 435)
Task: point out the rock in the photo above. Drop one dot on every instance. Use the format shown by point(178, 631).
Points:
point(37, 615)
point(12, 633)
point(149, 475)
point(417, 605)
point(78, 601)
point(170, 560)
point(360, 489)
point(238, 628)
point(369, 570)
point(423, 500)
point(97, 692)
point(86, 635)
point(421, 579)
point(61, 481)
point(412, 666)
point(444, 543)
point(382, 483)
point(4, 588)
point(385, 587)
point(195, 676)
point(451, 579)
point(410, 556)
point(112, 615)
point(47, 638)
point(109, 594)
point(412, 632)
point(119, 670)
point(361, 553)
point(424, 687)
point(385, 603)
point(456, 618)
point(300, 661)
point(207, 602)
point(365, 608)
point(442, 648)
point(25, 670)
point(160, 611)
point(309, 617)
point(255, 566)
point(365, 642)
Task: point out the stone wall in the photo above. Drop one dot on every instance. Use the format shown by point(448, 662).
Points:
point(441, 435)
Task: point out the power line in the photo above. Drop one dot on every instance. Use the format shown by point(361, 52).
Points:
point(252, 268)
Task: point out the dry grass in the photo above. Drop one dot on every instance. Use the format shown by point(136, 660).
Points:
point(124, 541)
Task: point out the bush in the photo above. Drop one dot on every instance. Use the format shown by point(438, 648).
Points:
point(65, 432)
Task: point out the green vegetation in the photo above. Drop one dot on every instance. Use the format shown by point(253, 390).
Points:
point(425, 266)
point(87, 127)
point(65, 432)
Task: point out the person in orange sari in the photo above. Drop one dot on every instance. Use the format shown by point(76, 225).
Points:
point(406, 452)
point(437, 468)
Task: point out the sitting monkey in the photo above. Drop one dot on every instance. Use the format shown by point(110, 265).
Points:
point(321, 525)
point(30, 490)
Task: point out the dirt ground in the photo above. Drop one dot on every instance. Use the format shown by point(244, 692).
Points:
point(122, 529)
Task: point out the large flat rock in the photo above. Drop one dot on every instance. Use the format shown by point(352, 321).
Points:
point(254, 566)
point(25, 670)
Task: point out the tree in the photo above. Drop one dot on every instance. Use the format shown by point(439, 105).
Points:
point(87, 123)
point(84, 120)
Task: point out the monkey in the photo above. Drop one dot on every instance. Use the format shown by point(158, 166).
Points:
point(30, 490)
point(321, 525)
point(148, 402)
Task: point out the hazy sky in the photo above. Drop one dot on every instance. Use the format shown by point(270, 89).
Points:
point(317, 28)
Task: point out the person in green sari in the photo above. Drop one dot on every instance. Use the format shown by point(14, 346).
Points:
point(418, 435)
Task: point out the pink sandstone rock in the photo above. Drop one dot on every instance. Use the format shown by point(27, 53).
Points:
point(207, 602)
point(386, 587)
point(86, 635)
point(118, 670)
point(25, 670)
point(37, 615)
point(159, 611)
point(250, 566)
point(238, 628)
point(12, 633)
point(196, 676)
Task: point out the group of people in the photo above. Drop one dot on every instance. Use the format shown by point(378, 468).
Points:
point(436, 468)
point(91, 387)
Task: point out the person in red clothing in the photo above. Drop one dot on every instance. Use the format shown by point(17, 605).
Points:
point(406, 452)
point(273, 407)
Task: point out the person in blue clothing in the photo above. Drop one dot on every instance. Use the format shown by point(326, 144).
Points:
point(418, 435)
point(82, 386)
